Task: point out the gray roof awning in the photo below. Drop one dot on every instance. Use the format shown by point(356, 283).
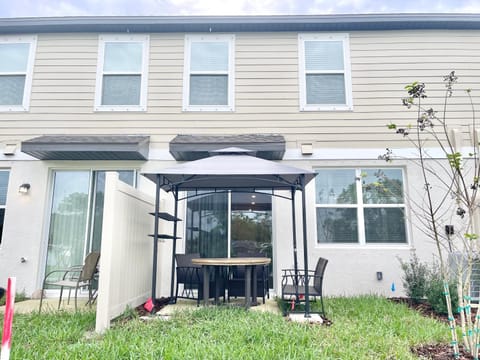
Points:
point(194, 147)
point(88, 147)
point(230, 171)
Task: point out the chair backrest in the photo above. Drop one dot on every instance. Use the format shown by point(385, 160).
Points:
point(90, 266)
point(185, 260)
point(239, 271)
point(319, 271)
point(186, 271)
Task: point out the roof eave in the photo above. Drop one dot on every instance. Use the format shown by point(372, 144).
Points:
point(152, 24)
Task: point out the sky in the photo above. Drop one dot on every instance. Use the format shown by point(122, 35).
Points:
point(47, 8)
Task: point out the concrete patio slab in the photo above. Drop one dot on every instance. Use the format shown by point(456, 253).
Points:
point(49, 305)
point(182, 304)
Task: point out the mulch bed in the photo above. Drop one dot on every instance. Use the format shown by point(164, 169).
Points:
point(431, 351)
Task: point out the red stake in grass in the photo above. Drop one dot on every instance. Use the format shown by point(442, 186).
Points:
point(8, 319)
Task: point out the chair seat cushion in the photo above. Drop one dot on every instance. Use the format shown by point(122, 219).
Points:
point(68, 283)
point(290, 290)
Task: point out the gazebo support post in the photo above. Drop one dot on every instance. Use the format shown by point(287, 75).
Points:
point(305, 245)
point(174, 243)
point(294, 235)
point(155, 239)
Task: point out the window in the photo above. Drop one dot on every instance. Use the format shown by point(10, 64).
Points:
point(324, 66)
point(208, 77)
point(122, 73)
point(16, 67)
point(360, 206)
point(3, 198)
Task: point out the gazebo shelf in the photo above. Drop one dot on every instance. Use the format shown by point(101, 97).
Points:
point(165, 236)
point(166, 216)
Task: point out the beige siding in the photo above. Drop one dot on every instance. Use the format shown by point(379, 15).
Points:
point(266, 89)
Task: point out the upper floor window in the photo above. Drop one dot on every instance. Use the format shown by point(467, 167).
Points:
point(324, 65)
point(209, 75)
point(4, 175)
point(360, 206)
point(16, 67)
point(122, 73)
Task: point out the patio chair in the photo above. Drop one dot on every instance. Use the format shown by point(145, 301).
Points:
point(236, 280)
point(294, 285)
point(75, 277)
point(191, 277)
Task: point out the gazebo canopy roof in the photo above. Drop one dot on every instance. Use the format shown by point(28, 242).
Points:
point(231, 169)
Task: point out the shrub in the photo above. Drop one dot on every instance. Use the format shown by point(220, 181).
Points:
point(415, 278)
point(18, 297)
point(436, 297)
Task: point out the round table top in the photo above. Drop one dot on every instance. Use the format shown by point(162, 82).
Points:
point(232, 261)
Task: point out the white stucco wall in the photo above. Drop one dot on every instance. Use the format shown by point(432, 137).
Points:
point(24, 233)
point(351, 270)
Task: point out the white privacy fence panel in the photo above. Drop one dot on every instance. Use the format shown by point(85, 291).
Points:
point(126, 251)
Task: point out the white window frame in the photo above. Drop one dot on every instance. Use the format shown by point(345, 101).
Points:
point(360, 206)
point(119, 38)
point(344, 38)
point(32, 40)
point(189, 39)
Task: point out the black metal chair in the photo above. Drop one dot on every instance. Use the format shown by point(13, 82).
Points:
point(236, 282)
point(191, 277)
point(75, 277)
point(236, 279)
point(295, 284)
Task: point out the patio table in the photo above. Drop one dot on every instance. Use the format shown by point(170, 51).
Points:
point(250, 275)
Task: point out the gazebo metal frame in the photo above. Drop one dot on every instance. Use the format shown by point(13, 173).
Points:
point(231, 169)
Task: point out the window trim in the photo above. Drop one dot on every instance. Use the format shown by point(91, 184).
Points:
point(27, 90)
point(189, 39)
point(119, 38)
point(348, 106)
point(360, 206)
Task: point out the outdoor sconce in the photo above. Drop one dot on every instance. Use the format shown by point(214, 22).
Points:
point(24, 188)
point(9, 149)
point(306, 149)
point(449, 229)
point(379, 275)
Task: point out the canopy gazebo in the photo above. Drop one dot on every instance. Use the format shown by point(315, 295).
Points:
point(231, 169)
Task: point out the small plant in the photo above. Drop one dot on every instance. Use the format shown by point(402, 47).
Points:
point(415, 277)
point(129, 314)
point(435, 293)
point(18, 297)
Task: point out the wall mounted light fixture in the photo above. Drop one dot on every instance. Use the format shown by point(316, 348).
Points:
point(306, 149)
point(24, 188)
point(449, 230)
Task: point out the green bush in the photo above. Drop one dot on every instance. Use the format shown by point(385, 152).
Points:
point(18, 297)
point(436, 296)
point(415, 278)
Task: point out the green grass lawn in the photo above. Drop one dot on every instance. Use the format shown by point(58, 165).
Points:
point(363, 328)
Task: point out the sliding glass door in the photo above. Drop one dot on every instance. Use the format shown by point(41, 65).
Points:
point(68, 221)
point(76, 216)
point(229, 225)
point(207, 225)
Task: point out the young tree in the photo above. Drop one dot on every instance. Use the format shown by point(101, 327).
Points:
point(450, 176)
